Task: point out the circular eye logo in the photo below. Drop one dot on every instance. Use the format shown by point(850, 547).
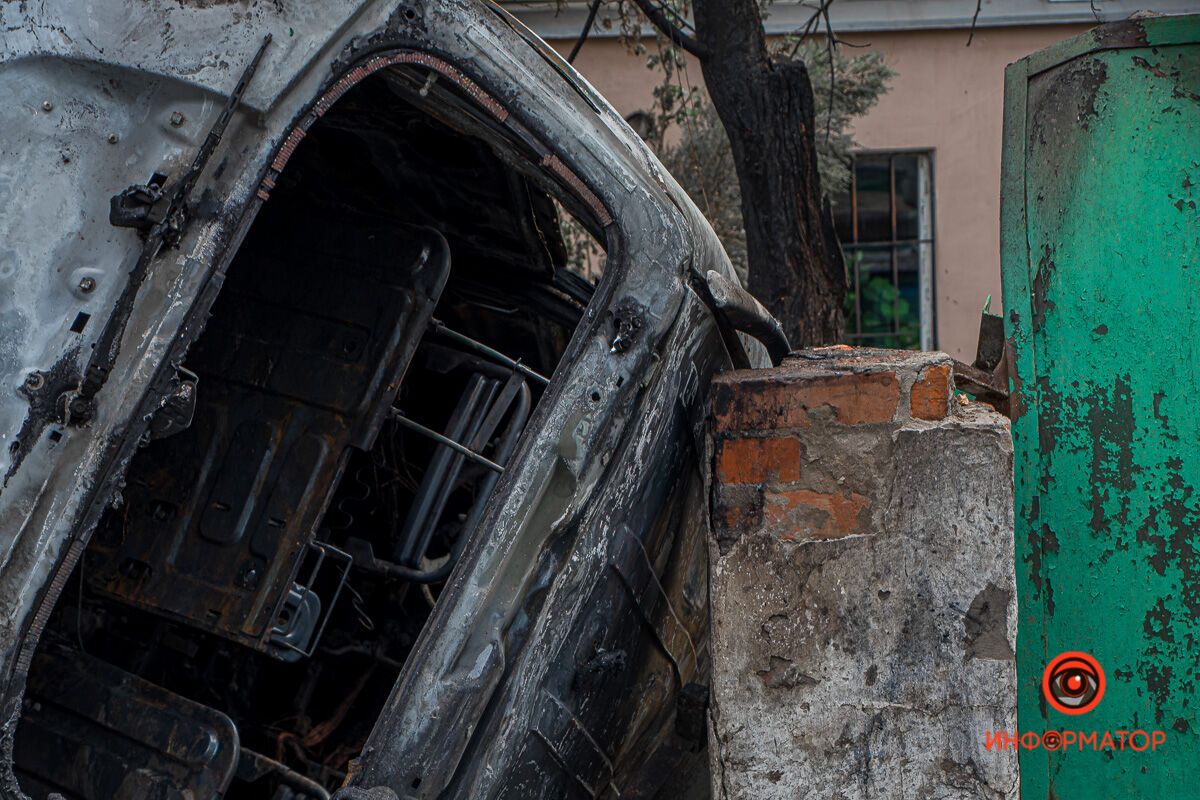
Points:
point(1073, 683)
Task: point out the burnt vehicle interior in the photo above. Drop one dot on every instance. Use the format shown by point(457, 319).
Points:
point(381, 339)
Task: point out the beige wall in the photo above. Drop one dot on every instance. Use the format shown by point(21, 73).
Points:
point(950, 98)
point(947, 98)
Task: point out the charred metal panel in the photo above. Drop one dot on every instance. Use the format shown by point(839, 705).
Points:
point(1101, 258)
point(578, 681)
point(294, 370)
point(92, 730)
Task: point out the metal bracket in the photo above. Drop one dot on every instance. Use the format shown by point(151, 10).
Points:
point(177, 409)
point(298, 636)
point(141, 206)
point(987, 378)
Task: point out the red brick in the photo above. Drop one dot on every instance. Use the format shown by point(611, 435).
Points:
point(802, 514)
point(759, 460)
point(931, 393)
point(772, 403)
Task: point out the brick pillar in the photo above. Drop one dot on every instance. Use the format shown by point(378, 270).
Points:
point(863, 599)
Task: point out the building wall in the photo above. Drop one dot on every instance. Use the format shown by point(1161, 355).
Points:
point(946, 97)
point(950, 98)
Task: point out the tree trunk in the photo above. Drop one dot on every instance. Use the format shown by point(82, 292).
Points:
point(767, 109)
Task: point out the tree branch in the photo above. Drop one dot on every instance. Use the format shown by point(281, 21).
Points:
point(832, 69)
point(808, 29)
point(974, 19)
point(813, 21)
point(587, 28)
point(659, 20)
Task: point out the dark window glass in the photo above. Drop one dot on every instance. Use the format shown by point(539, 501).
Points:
point(843, 221)
point(907, 188)
point(879, 222)
point(874, 203)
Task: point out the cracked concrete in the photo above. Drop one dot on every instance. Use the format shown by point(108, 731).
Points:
point(861, 650)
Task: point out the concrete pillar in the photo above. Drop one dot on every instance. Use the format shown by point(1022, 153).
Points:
point(863, 601)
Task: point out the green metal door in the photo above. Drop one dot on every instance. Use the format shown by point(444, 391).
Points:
point(1101, 261)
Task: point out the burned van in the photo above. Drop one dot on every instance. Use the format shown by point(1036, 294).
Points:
point(326, 469)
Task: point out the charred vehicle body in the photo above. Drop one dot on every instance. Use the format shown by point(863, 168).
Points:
point(322, 474)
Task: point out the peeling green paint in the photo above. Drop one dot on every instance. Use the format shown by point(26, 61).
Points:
point(1101, 261)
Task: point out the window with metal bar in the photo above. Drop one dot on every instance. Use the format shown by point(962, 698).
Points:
point(885, 224)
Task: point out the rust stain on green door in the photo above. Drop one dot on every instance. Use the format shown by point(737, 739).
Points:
point(1101, 260)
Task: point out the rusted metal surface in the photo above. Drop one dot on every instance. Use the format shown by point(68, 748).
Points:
point(1101, 240)
point(986, 378)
